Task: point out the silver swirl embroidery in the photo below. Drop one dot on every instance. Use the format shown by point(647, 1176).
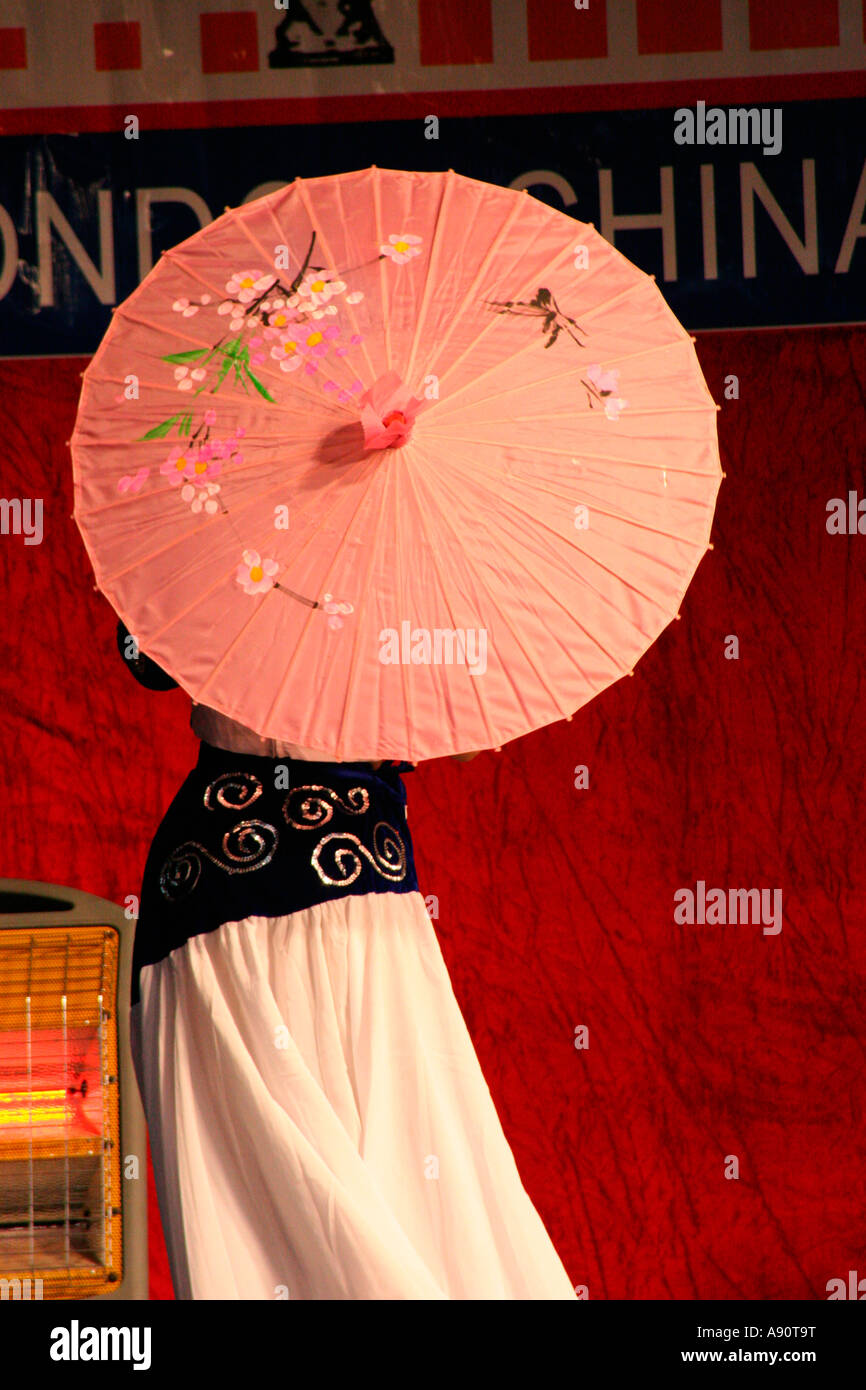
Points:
point(317, 810)
point(251, 844)
point(249, 789)
point(389, 859)
point(180, 873)
point(248, 845)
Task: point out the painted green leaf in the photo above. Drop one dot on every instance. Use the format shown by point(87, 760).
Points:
point(160, 431)
point(260, 388)
point(181, 357)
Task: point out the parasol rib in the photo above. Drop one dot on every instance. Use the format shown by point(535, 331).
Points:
point(383, 279)
point(435, 243)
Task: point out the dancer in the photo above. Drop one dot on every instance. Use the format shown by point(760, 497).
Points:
point(319, 1122)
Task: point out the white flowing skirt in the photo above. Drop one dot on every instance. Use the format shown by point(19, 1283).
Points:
point(319, 1122)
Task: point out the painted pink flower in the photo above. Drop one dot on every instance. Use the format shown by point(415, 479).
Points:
point(316, 289)
point(315, 346)
point(401, 247)
point(287, 352)
point(133, 482)
point(256, 575)
point(277, 321)
point(186, 465)
point(317, 343)
point(349, 392)
point(184, 376)
point(604, 382)
point(178, 466)
point(201, 499)
point(335, 607)
point(613, 405)
point(245, 285)
point(222, 449)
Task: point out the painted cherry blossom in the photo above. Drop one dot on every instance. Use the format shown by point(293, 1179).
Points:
point(604, 382)
point(344, 393)
point(353, 342)
point(613, 405)
point(185, 466)
point(317, 343)
point(133, 482)
point(335, 607)
point(185, 377)
point(220, 449)
point(286, 351)
point(245, 285)
point(315, 290)
point(401, 247)
point(183, 306)
point(178, 465)
point(309, 347)
point(256, 575)
point(201, 498)
point(278, 318)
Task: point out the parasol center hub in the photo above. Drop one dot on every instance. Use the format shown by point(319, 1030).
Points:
point(388, 411)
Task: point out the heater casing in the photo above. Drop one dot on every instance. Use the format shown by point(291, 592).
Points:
point(47, 909)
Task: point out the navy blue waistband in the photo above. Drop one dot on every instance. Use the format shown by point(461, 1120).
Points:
point(251, 836)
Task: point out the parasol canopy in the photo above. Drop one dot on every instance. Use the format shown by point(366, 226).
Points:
point(395, 465)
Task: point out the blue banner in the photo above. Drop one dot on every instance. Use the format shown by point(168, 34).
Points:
point(746, 221)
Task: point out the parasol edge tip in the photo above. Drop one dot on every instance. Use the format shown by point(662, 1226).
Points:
point(710, 545)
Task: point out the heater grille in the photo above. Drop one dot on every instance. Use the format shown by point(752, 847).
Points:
point(60, 1198)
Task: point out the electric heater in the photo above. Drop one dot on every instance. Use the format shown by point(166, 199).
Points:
point(73, 1156)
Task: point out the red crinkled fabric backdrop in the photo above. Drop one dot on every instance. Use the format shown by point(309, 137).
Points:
point(706, 1043)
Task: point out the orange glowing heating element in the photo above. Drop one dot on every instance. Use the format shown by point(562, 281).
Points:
point(37, 1108)
point(50, 1081)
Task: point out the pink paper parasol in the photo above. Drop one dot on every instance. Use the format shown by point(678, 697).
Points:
point(395, 465)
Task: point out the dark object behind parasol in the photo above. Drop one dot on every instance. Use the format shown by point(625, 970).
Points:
point(146, 672)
